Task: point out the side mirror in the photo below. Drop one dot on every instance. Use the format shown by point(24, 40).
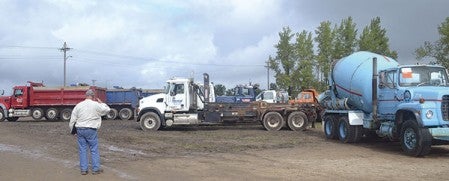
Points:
point(172, 93)
point(2, 92)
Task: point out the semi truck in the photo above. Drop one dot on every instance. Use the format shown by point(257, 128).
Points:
point(187, 103)
point(122, 102)
point(371, 94)
point(38, 101)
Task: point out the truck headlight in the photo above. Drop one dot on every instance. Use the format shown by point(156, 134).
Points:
point(429, 114)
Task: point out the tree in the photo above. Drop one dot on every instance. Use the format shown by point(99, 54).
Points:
point(374, 39)
point(220, 89)
point(303, 75)
point(284, 63)
point(345, 41)
point(438, 50)
point(324, 38)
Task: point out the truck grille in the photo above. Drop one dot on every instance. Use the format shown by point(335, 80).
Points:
point(445, 107)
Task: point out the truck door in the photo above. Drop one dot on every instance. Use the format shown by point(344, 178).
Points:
point(178, 98)
point(19, 98)
point(387, 94)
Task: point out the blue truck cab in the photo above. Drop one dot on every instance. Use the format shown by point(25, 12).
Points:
point(240, 94)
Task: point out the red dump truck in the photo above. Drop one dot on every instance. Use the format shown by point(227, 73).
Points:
point(38, 101)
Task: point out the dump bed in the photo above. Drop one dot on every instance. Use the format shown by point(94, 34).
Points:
point(123, 97)
point(58, 96)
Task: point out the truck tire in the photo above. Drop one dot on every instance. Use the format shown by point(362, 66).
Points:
point(51, 114)
point(150, 121)
point(12, 119)
point(297, 121)
point(415, 141)
point(125, 114)
point(66, 114)
point(37, 113)
point(2, 115)
point(348, 133)
point(273, 121)
point(112, 114)
point(330, 127)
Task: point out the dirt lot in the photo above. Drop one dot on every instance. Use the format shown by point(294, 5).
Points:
point(41, 150)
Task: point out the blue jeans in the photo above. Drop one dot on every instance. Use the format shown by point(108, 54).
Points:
point(87, 138)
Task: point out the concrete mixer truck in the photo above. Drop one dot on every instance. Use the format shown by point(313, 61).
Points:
point(371, 94)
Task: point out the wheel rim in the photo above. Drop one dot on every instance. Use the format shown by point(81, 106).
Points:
point(410, 138)
point(298, 121)
point(66, 115)
point(51, 114)
point(125, 114)
point(328, 127)
point(149, 122)
point(343, 130)
point(37, 114)
point(273, 122)
point(1, 115)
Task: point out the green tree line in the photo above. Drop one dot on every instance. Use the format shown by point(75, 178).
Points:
point(304, 61)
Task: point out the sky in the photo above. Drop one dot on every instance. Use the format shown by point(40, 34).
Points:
point(131, 43)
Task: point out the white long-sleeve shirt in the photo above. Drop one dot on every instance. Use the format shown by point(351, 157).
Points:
point(87, 114)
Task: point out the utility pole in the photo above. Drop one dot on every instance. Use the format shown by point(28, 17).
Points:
point(268, 75)
point(65, 49)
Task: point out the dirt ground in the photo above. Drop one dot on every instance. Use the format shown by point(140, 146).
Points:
point(42, 150)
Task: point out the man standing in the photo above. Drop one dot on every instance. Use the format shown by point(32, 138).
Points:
point(86, 117)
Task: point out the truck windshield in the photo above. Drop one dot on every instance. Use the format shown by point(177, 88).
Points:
point(423, 76)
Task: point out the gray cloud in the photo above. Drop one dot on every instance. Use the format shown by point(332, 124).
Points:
point(141, 44)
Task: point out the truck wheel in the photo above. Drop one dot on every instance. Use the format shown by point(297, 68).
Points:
point(330, 127)
point(415, 141)
point(2, 115)
point(273, 121)
point(150, 121)
point(51, 114)
point(125, 114)
point(346, 132)
point(112, 114)
point(66, 114)
point(12, 119)
point(37, 113)
point(297, 121)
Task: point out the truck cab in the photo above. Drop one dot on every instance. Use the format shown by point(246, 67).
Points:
point(241, 93)
point(417, 89)
point(272, 96)
point(179, 104)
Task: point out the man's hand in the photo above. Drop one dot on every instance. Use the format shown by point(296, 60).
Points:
point(98, 99)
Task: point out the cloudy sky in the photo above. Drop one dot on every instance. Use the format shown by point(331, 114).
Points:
point(143, 43)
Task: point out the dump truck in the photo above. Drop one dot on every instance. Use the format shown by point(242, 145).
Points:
point(188, 103)
point(122, 102)
point(371, 94)
point(38, 101)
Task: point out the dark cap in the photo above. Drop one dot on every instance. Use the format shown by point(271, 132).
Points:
point(90, 92)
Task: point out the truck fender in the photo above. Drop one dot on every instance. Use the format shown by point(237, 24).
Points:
point(151, 109)
point(403, 114)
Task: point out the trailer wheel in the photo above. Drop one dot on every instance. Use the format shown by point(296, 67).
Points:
point(2, 115)
point(273, 121)
point(348, 133)
point(297, 121)
point(12, 119)
point(150, 121)
point(66, 114)
point(37, 113)
point(125, 114)
point(330, 127)
point(112, 114)
point(51, 114)
point(415, 141)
